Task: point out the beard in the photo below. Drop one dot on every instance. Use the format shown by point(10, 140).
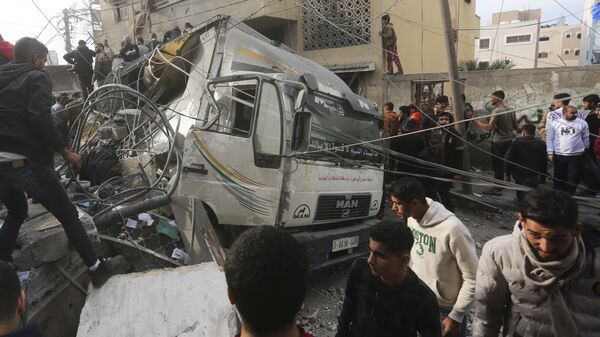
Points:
point(571, 118)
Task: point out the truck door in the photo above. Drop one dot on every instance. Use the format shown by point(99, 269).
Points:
point(241, 153)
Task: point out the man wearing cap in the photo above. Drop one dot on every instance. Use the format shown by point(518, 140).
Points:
point(502, 123)
point(81, 59)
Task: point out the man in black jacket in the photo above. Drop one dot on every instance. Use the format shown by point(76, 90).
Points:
point(28, 140)
point(384, 297)
point(82, 58)
point(526, 160)
point(12, 306)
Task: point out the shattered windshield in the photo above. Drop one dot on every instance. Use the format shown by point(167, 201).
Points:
point(335, 124)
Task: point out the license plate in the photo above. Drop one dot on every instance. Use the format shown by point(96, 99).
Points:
point(344, 243)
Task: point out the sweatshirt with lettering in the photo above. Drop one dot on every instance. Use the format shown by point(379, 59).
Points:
point(444, 257)
point(567, 138)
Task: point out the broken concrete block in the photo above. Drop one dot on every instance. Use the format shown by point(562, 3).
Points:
point(185, 301)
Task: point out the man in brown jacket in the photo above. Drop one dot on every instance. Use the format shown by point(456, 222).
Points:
point(389, 38)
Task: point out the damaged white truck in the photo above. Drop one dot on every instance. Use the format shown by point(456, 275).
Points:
point(260, 135)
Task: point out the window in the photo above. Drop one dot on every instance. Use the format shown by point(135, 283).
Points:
point(579, 35)
point(543, 55)
point(567, 51)
point(518, 39)
point(120, 12)
point(484, 43)
point(267, 139)
point(544, 38)
point(568, 35)
point(576, 52)
point(235, 101)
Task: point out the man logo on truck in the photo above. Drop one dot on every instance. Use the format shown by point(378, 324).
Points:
point(302, 212)
point(346, 204)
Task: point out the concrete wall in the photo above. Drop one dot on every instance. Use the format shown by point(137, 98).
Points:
point(522, 54)
point(556, 45)
point(530, 90)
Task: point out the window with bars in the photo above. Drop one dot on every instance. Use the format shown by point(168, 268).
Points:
point(518, 39)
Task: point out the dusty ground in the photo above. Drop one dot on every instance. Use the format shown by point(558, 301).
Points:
point(326, 290)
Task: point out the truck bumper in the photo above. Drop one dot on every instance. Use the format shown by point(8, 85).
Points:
point(319, 244)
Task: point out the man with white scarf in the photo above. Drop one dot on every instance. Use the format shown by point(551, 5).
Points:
point(544, 278)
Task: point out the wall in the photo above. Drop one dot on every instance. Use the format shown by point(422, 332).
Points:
point(530, 90)
point(522, 54)
point(557, 44)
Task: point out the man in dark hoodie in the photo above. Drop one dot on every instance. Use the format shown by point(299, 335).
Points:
point(12, 306)
point(384, 297)
point(526, 159)
point(82, 58)
point(28, 140)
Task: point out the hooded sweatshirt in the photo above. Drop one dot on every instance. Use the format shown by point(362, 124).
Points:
point(444, 257)
point(26, 127)
point(82, 58)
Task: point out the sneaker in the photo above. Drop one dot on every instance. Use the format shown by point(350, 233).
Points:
point(493, 191)
point(107, 268)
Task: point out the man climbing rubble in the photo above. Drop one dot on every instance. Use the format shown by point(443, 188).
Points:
point(28, 140)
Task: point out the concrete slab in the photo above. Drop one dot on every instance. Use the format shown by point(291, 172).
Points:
point(184, 302)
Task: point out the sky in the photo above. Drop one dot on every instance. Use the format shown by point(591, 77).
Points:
point(550, 9)
point(20, 18)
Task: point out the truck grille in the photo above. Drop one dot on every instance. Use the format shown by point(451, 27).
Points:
point(343, 206)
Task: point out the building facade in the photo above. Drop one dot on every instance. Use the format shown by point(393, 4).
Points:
point(527, 43)
point(340, 34)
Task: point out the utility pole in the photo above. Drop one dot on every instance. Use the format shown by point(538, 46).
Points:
point(68, 46)
point(457, 103)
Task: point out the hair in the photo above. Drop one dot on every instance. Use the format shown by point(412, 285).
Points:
point(499, 94)
point(10, 288)
point(414, 107)
point(593, 99)
point(100, 45)
point(529, 129)
point(267, 275)
point(442, 99)
point(140, 39)
point(187, 25)
point(389, 105)
point(405, 109)
point(385, 17)
point(26, 47)
point(444, 114)
point(81, 43)
point(407, 189)
point(550, 208)
point(564, 97)
point(393, 234)
point(153, 36)
point(410, 125)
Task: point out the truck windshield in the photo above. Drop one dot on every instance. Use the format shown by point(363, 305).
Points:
point(335, 124)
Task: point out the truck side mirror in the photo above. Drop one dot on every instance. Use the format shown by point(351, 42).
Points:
point(301, 135)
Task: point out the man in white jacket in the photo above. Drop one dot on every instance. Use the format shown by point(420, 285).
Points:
point(543, 280)
point(443, 255)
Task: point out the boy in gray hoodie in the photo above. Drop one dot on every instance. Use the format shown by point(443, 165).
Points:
point(443, 255)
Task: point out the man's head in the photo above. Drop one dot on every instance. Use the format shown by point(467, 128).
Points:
point(435, 143)
point(12, 299)
point(404, 111)
point(497, 97)
point(187, 26)
point(63, 99)
point(267, 272)
point(528, 130)
point(590, 102)
point(388, 107)
point(441, 102)
point(140, 40)
point(390, 244)
point(81, 43)
point(99, 47)
point(408, 198)
point(127, 39)
point(443, 118)
point(153, 36)
point(549, 222)
point(561, 100)
point(30, 50)
point(385, 19)
point(570, 112)
point(409, 126)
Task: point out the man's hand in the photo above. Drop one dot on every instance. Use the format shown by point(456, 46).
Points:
point(451, 328)
point(551, 158)
point(72, 158)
